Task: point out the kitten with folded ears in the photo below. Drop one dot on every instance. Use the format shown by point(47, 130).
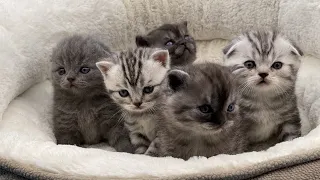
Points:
point(173, 37)
point(200, 115)
point(266, 66)
point(83, 113)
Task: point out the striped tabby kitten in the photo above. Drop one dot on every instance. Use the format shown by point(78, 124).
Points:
point(266, 65)
point(200, 116)
point(133, 82)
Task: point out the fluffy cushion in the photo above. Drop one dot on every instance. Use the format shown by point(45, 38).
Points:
point(29, 30)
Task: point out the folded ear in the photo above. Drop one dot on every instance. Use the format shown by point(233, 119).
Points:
point(177, 79)
point(142, 41)
point(185, 23)
point(105, 65)
point(296, 50)
point(163, 57)
point(229, 49)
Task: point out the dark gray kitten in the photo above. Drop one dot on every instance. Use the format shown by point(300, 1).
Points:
point(83, 113)
point(173, 37)
point(266, 66)
point(200, 116)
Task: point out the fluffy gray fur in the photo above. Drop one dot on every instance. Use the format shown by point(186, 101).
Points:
point(266, 66)
point(175, 38)
point(200, 116)
point(83, 112)
point(133, 81)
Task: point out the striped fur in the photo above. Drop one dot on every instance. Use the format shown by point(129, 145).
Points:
point(269, 105)
point(133, 71)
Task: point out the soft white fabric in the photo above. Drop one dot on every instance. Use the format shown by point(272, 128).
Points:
point(29, 30)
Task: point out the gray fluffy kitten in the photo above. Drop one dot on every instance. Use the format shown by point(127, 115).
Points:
point(266, 66)
point(173, 37)
point(133, 80)
point(83, 112)
point(200, 116)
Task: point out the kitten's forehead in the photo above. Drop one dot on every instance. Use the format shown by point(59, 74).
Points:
point(79, 51)
point(138, 70)
point(210, 84)
point(262, 47)
point(176, 30)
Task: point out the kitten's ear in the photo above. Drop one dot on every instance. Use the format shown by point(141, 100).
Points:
point(163, 57)
point(104, 66)
point(185, 23)
point(177, 79)
point(229, 49)
point(142, 41)
point(296, 50)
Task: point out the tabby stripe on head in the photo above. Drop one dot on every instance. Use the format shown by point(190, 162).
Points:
point(132, 66)
point(254, 45)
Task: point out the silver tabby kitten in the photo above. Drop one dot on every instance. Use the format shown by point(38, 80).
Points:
point(266, 66)
point(200, 116)
point(83, 113)
point(133, 81)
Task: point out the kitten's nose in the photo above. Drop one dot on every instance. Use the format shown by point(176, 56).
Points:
point(70, 79)
point(263, 75)
point(137, 104)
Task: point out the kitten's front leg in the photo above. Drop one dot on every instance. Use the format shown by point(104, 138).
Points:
point(66, 130)
point(140, 141)
point(153, 149)
point(290, 131)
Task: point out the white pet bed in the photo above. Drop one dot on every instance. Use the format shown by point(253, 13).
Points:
point(29, 30)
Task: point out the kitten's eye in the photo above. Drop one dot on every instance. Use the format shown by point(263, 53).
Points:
point(250, 64)
point(205, 108)
point(148, 89)
point(84, 70)
point(169, 43)
point(123, 93)
point(61, 71)
point(231, 107)
point(277, 65)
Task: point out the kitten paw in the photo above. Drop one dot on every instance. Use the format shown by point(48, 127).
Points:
point(289, 137)
point(140, 150)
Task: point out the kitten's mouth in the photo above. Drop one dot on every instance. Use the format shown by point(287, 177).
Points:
point(263, 82)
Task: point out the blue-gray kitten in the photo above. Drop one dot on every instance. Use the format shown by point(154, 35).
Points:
point(133, 80)
point(200, 116)
point(266, 66)
point(83, 113)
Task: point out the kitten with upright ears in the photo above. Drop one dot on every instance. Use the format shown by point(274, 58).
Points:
point(173, 37)
point(266, 65)
point(200, 115)
point(133, 81)
point(83, 113)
